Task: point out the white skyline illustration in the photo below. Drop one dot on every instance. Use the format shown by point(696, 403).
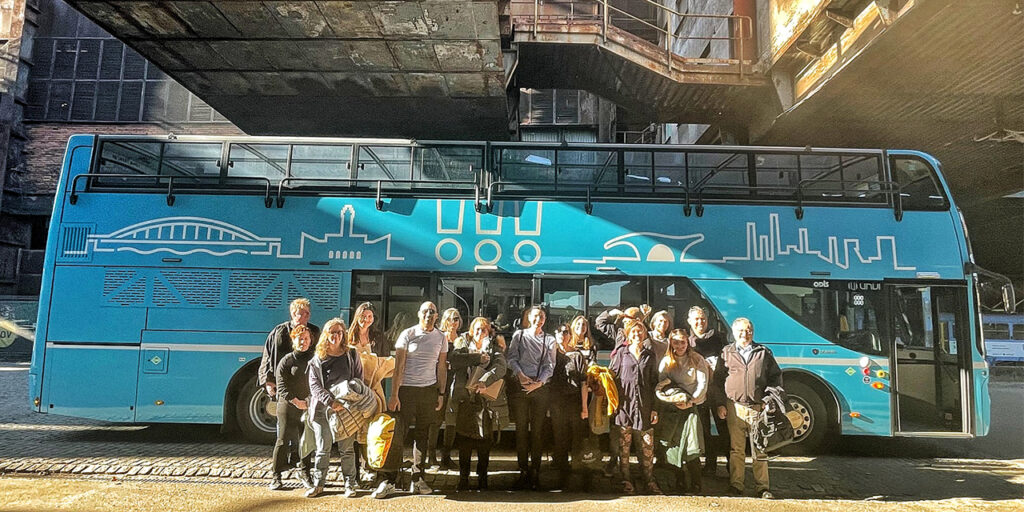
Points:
point(759, 247)
point(183, 236)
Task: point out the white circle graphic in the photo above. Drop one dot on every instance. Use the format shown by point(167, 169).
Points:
point(458, 251)
point(497, 249)
point(520, 260)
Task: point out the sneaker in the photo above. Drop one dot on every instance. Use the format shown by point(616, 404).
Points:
point(384, 490)
point(314, 492)
point(349, 490)
point(735, 491)
point(305, 480)
point(766, 495)
point(275, 483)
point(421, 487)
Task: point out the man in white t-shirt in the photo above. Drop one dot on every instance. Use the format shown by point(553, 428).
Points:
point(416, 394)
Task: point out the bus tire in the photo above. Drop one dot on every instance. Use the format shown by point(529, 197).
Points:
point(813, 435)
point(254, 412)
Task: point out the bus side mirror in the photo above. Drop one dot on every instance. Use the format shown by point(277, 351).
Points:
point(1009, 299)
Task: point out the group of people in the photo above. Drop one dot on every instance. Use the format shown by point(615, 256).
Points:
point(660, 392)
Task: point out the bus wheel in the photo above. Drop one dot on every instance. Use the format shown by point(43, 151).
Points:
point(811, 436)
point(256, 413)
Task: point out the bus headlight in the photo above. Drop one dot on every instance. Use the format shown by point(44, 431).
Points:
point(865, 362)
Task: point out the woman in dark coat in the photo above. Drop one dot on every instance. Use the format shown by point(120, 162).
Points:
point(569, 396)
point(636, 375)
point(477, 418)
point(292, 399)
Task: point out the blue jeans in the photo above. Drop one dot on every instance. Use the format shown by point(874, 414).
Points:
point(322, 433)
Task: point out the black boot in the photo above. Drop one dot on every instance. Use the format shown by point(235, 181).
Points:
point(693, 471)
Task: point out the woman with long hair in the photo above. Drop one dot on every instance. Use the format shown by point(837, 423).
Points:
point(683, 377)
point(476, 418)
point(569, 396)
point(449, 326)
point(292, 398)
point(335, 361)
point(636, 375)
point(367, 339)
point(365, 331)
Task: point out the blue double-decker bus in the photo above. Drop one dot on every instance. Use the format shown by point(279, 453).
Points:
point(170, 258)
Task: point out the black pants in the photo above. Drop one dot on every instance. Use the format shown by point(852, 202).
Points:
point(289, 430)
point(713, 446)
point(530, 409)
point(568, 428)
point(418, 407)
point(483, 456)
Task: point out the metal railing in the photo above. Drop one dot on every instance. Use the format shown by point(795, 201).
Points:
point(607, 16)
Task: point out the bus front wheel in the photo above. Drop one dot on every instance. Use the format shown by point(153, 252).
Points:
point(812, 435)
point(256, 412)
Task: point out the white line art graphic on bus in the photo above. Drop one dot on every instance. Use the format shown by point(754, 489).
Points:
point(183, 236)
point(489, 251)
point(759, 247)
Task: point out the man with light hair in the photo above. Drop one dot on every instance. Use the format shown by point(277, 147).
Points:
point(278, 345)
point(709, 343)
point(751, 369)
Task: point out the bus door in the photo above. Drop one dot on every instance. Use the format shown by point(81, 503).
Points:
point(500, 299)
point(930, 358)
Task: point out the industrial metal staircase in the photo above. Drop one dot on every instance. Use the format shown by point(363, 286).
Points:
point(640, 54)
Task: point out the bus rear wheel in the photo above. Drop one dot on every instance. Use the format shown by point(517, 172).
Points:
point(255, 412)
point(812, 436)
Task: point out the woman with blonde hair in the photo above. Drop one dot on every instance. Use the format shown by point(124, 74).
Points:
point(636, 376)
point(683, 378)
point(451, 322)
point(476, 418)
point(335, 361)
point(292, 384)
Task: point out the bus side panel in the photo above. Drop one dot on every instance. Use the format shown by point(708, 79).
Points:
point(184, 373)
point(77, 159)
point(98, 304)
point(797, 348)
point(96, 382)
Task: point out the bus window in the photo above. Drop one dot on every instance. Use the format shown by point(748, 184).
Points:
point(777, 175)
point(861, 175)
point(320, 161)
point(677, 295)
point(1001, 331)
point(385, 163)
point(124, 157)
point(259, 160)
point(848, 314)
point(1018, 331)
point(403, 295)
point(191, 159)
point(446, 163)
point(563, 299)
point(918, 186)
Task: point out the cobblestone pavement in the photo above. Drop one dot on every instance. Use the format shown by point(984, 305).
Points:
point(876, 469)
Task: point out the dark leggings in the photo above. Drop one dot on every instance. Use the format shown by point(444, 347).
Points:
point(289, 430)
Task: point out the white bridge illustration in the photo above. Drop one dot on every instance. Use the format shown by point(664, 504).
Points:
point(183, 236)
point(759, 247)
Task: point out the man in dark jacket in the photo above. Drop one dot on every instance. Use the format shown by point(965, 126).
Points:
point(751, 369)
point(279, 344)
point(709, 343)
